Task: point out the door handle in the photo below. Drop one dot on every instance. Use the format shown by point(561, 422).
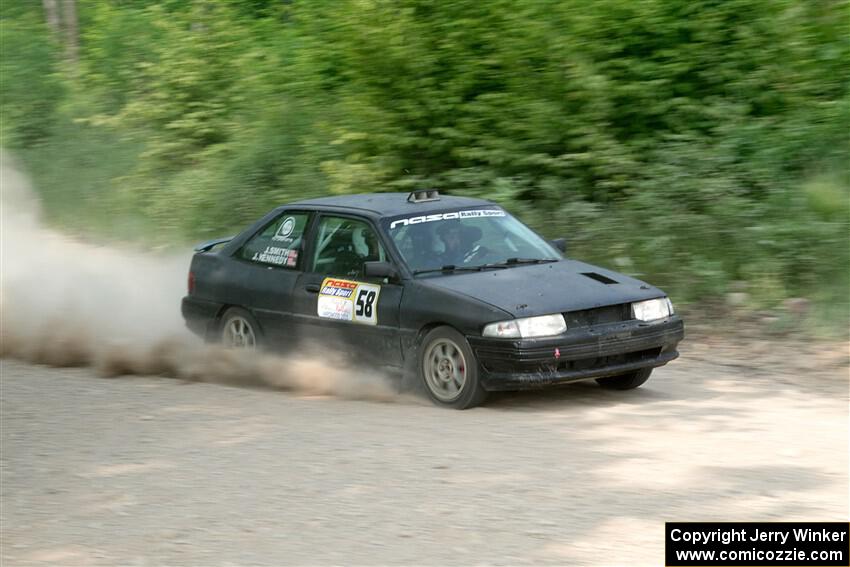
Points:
point(312, 287)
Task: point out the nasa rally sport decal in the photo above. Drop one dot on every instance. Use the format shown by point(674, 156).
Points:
point(448, 216)
point(347, 300)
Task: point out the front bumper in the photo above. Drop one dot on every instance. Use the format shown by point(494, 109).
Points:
point(579, 354)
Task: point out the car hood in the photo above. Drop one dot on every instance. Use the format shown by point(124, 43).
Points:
point(538, 289)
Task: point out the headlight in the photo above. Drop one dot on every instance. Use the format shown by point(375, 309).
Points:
point(652, 309)
point(527, 327)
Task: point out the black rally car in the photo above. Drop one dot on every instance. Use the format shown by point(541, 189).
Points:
point(453, 290)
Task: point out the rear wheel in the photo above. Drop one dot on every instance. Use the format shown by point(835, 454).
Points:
point(449, 370)
point(628, 381)
point(240, 330)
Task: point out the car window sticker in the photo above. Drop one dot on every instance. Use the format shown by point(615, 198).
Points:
point(447, 216)
point(284, 231)
point(292, 258)
point(275, 255)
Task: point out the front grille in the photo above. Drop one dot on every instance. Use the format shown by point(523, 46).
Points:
point(599, 315)
point(568, 365)
point(603, 361)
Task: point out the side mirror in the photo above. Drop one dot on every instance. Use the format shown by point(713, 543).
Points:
point(560, 244)
point(379, 270)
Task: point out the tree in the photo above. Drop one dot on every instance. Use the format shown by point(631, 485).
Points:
point(64, 25)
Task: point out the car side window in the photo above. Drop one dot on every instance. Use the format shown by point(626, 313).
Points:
point(279, 243)
point(343, 245)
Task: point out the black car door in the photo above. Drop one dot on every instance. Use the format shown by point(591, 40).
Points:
point(271, 262)
point(338, 307)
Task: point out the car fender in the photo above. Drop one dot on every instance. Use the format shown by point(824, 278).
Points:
point(423, 307)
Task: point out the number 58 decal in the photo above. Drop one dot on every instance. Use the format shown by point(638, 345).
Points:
point(366, 303)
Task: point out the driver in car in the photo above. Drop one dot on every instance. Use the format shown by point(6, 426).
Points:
point(459, 243)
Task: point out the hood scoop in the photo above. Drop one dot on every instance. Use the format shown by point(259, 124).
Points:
point(599, 277)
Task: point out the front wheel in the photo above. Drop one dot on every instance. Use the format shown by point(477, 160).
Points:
point(627, 381)
point(449, 370)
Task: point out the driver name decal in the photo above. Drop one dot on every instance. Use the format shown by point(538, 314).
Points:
point(277, 255)
point(346, 300)
point(448, 216)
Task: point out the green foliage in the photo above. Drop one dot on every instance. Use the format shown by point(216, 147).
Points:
point(694, 143)
point(30, 90)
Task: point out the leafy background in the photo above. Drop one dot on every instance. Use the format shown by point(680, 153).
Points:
point(703, 144)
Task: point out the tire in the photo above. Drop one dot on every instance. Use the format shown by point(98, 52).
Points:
point(240, 330)
point(627, 381)
point(449, 370)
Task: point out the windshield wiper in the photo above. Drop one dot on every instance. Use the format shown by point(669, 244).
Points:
point(452, 268)
point(494, 266)
point(517, 261)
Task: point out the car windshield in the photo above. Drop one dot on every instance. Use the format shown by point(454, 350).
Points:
point(467, 239)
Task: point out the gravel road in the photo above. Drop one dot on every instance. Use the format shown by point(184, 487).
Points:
point(152, 471)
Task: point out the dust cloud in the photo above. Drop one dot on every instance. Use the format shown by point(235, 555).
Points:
point(65, 302)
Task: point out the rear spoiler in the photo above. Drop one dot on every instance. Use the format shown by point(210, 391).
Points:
point(210, 244)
